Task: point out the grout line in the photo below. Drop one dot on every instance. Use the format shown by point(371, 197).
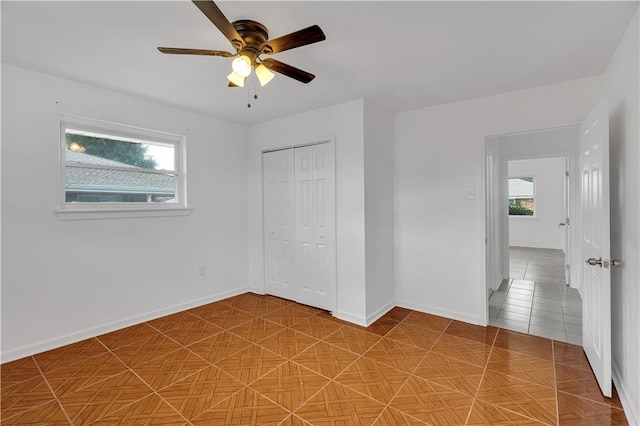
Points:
point(55, 396)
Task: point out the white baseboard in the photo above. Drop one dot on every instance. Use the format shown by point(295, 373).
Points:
point(629, 404)
point(440, 312)
point(67, 339)
point(375, 316)
point(353, 318)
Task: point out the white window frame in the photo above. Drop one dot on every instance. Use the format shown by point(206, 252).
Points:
point(535, 210)
point(94, 210)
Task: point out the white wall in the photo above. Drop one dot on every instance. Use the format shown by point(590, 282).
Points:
point(63, 281)
point(440, 152)
point(622, 91)
point(541, 230)
point(345, 123)
point(378, 172)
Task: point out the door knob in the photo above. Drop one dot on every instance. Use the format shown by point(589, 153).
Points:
point(616, 263)
point(593, 261)
point(562, 224)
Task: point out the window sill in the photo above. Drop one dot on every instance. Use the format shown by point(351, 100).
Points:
point(94, 214)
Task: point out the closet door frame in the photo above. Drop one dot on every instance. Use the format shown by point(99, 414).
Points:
point(331, 300)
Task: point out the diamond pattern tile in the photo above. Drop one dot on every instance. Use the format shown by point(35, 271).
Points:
point(151, 410)
point(168, 369)
point(570, 355)
point(352, 339)
point(18, 371)
point(396, 354)
point(125, 336)
point(256, 359)
point(524, 343)
point(473, 332)
point(533, 369)
point(245, 407)
point(421, 337)
point(432, 403)
point(24, 396)
point(294, 420)
point(451, 373)
point(376, 380)
point(582, 383)
point(210, 309)
point(397, 313)
point(219, 347)
point(290, 385)
point(576, 410)
point(421, 319)
point(525, 398)
point(392, 417)
point(230, 318)
point(338, 405)
point(200, 391)
point(194, 332)
point(69, 379)
point(325, 359)
point(69, 355)
point(462, 349)
point(257, 329)
point(144, 350)
point(180, 319)
point(382, 326)
point(288, 343)
point(49, 414)
point(94, 402)
point(484, 413)
point(287, 316)
point(251, 363)
point(317, 327)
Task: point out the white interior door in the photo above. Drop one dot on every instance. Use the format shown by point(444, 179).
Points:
point(279, 223)
point(596, 277)
point(315, 225)
point(299, 225)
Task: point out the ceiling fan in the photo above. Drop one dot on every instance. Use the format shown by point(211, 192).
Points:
point(250, 39)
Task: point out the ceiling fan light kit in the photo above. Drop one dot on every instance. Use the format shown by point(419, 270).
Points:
point(250, 39)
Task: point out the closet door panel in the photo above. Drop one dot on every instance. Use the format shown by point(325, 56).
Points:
point(279, 224)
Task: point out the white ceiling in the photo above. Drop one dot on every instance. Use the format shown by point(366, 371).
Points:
point(404, 55)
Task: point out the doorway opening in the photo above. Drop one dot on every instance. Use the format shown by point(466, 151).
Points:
point(530, 264)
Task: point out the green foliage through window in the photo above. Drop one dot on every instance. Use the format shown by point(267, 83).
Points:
point(519, 210)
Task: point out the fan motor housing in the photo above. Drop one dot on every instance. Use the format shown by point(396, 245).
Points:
point(253, 33)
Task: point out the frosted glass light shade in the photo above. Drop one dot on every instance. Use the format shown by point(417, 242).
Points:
point(263, 74)
point(236, 79)
point(242, 66)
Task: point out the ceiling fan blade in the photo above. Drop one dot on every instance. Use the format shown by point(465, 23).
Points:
point(232, 85)
point(215, 15)
point(288, 70)
point(309, 35)
point(180, 51)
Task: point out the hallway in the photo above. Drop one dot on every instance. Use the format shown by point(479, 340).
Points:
point(535, 299)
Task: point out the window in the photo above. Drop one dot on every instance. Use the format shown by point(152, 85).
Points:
point(106, 166)
point(521, 196)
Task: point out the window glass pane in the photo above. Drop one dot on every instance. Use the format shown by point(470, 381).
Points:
point(521, 196)
point(108, 150)
point(89, 185)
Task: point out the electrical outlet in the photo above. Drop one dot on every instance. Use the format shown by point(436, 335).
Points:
point(202, 269)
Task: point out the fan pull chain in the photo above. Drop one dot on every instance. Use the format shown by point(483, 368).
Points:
point(255, 94)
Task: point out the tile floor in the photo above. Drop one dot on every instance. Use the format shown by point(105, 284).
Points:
point(260, 360)
point(535, 300)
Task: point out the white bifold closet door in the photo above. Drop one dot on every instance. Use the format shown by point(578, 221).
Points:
point(299, 218)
